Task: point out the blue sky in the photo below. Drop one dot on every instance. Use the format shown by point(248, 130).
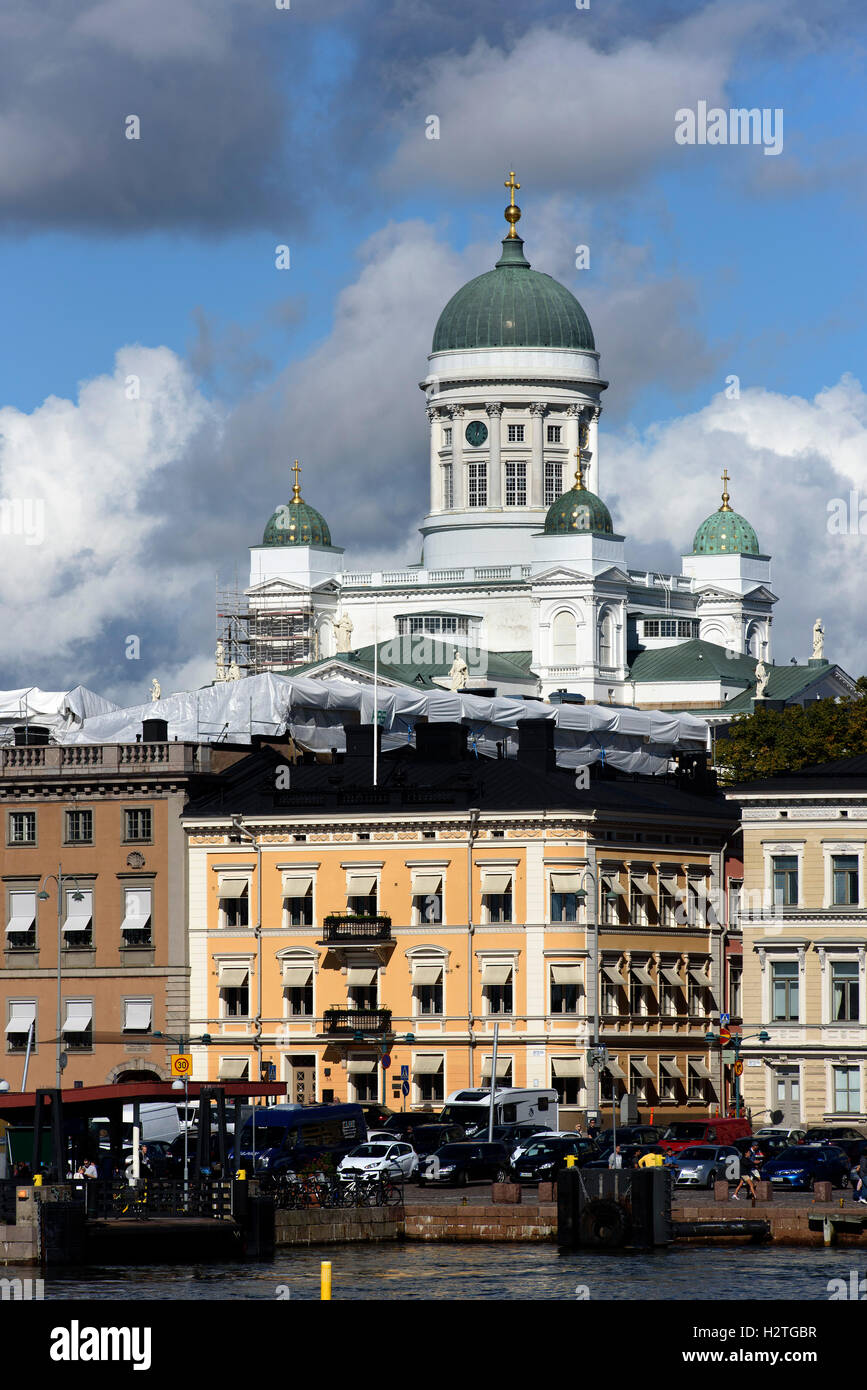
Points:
point(310, 136)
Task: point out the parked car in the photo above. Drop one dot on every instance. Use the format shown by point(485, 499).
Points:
point(628, 1134)
point(542, 1158)
point(588, 1146)
point(516, 1135)
point(394, 1160)
point(702, 1165)
point(792, 1136)
point(852, 1148)
point(803, 1165)
point(831, 1133)
point(682, 1134)
point(403, 1125)
point(426, 1139)
point(630, 1154)
point(375, 1115)
point(458, 1164)
point(770, 1145)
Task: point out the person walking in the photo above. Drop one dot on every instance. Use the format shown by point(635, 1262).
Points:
point(859, 1178)
point(751, 1166)
point(616, 1159)
point(652, 1159)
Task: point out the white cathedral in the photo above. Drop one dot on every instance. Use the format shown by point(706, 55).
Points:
point(523, 586)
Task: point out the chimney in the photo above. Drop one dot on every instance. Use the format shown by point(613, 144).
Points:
point(440, 742)
point(155, 730)
point(30, 733)
point(358, 757)
point(536, 744)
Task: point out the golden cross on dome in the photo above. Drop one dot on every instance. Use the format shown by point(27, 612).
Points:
point(296, 491)
point(513, 212)
point(579, 471)
point(725, 497)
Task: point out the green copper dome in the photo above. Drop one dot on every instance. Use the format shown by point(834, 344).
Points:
point(725, 532)
point(513, 306)
point(296, 523)
point(578, 511)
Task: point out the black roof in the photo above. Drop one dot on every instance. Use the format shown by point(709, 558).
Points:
point(843, 775)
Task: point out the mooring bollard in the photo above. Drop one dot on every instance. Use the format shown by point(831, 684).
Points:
point(325, 1281)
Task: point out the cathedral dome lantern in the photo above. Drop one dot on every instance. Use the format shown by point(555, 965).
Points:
point(297, 523)
point(513, 305)
point(725, 532)
point(578, 511)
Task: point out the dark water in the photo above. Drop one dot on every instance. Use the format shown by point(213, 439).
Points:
point(453, 1272)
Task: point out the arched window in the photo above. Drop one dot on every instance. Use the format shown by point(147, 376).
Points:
point(754, 640)
point(563, 640)
point(606, 640)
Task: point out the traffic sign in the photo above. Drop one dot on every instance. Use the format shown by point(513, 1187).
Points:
point(182, 1064)
point(739, 1067)
point(725, 1036)
point(404, 1086)
point(728, 1056)
point(404, 1073)
point(385, 1063)
point(725, 1018)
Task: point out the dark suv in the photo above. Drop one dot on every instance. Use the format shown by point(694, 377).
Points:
point(628, 1134)
point(541, 1159)
point(426, 1139)
point(458, 1164)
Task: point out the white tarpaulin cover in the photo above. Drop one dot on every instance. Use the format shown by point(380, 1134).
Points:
point(314, 711)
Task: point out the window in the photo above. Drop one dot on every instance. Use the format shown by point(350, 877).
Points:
point(516, 484)
point(447, 436)
point(299, 1001)
point(735, 982)
point(567, 1080)
point(613, 986)
point(563, 640)
point(365, 1084)
point(497, 907)
point(847, 1090)
point(434, 623)
point(362, 987)
point(735, 890)
point(641, 1000)
point(21, 926)
point(234, 984)
point(78, 926)
point(671, 627)
point(784, 991)
point(298, 901)
point(670, 1076)
point(554, 433)
point(78, 1025)
point(697, 1076)
point(845, 1004)
point(611, 895)
point(553, 481)
point(515, 434)
point(497, 987)
point(234, 902)
point(427, 897)
point(671, 990)
point(564, 905)
point(428, 1074)
point(606, 640)
point(448, 487)
point(22, 1017)
point(136, 928)
point(668, 901)
point(137, 823)
point(785, 879)
point(137, 1015)
point(565, 988)
point(22, 827)
point(297, 976)
point(427, 985)
point(638, 900)
point(639, 1078)
point(844, 869)
point(477, 484)
point(79, 827)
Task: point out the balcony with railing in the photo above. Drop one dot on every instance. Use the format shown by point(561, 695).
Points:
point(346, 1023)
point(352, 929)
point(102, 759)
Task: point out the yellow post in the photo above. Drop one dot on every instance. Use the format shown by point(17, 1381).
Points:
point(325, 1281)
point(37, 1181)
point(570, 1160)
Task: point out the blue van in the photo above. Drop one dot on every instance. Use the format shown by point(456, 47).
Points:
point(288, 1138)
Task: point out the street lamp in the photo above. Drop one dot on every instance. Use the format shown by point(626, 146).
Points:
point(736, 1041)
point(78, 897)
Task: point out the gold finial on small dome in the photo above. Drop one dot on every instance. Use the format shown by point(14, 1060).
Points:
point(725, 497)
point(512, 213)
point(296, 489)
point(579, 471)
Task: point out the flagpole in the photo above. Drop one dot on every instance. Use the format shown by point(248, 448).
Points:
point(375, 689)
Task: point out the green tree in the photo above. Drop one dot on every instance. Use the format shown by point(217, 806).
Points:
point(770, 742)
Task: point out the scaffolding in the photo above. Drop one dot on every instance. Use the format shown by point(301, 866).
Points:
point(258, 637)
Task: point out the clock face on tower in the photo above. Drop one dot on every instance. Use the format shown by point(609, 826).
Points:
point(476, 433)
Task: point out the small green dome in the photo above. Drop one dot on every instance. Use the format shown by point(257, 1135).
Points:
point(296, 523)
point(578, 511)
point(725, 532)
point(513, 306)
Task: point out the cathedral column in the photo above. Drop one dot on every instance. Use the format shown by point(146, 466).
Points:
point(436, 491)
point(573, 416)
point(536, 490)
point(459, 481)
point(593, 446)
point(494, 412)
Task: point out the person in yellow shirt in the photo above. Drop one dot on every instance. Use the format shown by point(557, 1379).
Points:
point(651, 1160)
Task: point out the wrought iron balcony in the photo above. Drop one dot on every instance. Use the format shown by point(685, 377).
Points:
point(346, 1022)
point(348, 929)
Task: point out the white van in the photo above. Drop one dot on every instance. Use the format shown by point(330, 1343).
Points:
point(472, 1107)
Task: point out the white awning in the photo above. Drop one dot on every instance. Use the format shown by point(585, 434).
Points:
point(360, 975)
point(138, 912)
point(643, 976)
point(233, 976)
point(504, 1067)
point(360, 885)
point(565, 883)
point(700, 1068)
point(137, 1015)
point(426, 883)
point(79, 1016)
point(427, 974)
point(700, 974)
point(566, 974)
point(671, 975)
point(642, 883)
point(670, 1067)
point(429, 1065)
point(297, 885)
point(613, 884)
point(297, 976)
point(79, 912)
point(22, 908)
point(233, 887)
point(234, 1068)
point(614, 1068)
point(566, 1066)
point(361, 1065)
point(495, 973)
point(640, 1067)
point(21, 1017)
point(669, 882)
point(612, 973)
point(496, 882)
